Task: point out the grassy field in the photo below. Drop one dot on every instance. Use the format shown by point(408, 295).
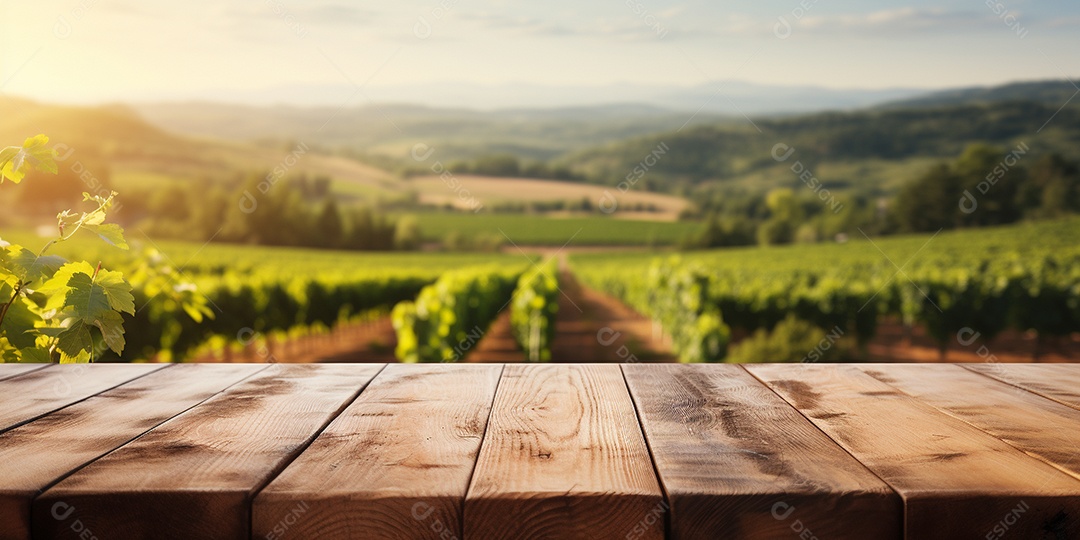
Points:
point(490, 190)
point(1021, 240)
point(544, 231)
point(198, 259)
point(840, 176)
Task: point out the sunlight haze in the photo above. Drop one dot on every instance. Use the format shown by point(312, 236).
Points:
point(424, 51)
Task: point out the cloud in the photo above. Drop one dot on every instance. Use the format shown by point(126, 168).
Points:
point(894, 21)
point(626, 27)
point(313, 13)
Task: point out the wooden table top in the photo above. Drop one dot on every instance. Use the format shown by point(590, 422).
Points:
point(559, 451)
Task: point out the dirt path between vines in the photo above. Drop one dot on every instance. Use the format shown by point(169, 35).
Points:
point(362, 342)
point(590, 327)
point(594, 327)
point(890, 344)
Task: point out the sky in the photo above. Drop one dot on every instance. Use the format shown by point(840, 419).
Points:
point(321, 51)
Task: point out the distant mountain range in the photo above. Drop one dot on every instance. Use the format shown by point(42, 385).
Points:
point(1053, 93)
point(717, 97)
point(726, 98)
point(872, 148)
point(544, 133)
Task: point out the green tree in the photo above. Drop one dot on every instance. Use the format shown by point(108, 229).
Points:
point(785, 214)
point(407, 234)
point(931, 202)
point(993, 178)
point(329, 228)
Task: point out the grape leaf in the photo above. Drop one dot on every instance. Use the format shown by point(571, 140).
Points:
point(116, 290)
point(74, 340)
point(10, 172)
point(87, 298)
point(57, 288)
point(19, 322)
point(29, 266)
point(34, 152)
point(81, 358)
point(7, 154)
point(34, 355)
point(110, 233)
point(112, 330)
point(44, 158)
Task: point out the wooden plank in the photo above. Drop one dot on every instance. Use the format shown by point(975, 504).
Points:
point(956, 481)
point(737, 461)
point(395, 464)
point(40, 392)
point(8, 371)
point(36, 454)
point(194, 476)
point(563, 457)
point(1059, 382)
point(1040, 427)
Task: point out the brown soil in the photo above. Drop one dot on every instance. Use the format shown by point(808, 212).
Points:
point(498, 344)
point(363, 342)
point(594, 327)
point(891, 345)
point(590, 327)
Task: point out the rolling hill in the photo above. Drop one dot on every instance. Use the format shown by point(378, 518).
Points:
point(391, 131)
point(872, 149)
point(127, 152)
point(1054, 93)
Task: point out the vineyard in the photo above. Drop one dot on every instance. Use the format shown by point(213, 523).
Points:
point(533, 308)
point(216, 297)
point(966, 283)
point(189, 299)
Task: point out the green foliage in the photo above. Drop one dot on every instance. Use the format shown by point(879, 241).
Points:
point(537, 230)
point(736, 153)
point(449, 316)
point(262, 209)
point(533, 308)
point(674, 294)
point(15, 161)
point(792, 340)
point(63, 311)
point(54, 309)
point(1022, 277)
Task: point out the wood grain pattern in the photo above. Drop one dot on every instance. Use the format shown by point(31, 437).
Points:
point(762, 451)
point(194, 476)
point(395, 464)
point(956, 481)
point(8, 371)
point(1039, 426)
point(39, 392)
point(1059, 382)
point(563, 458)
point(737, 461)
point(36, 454)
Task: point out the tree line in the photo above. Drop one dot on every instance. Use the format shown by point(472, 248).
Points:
point(984, 186)
point(293, 211)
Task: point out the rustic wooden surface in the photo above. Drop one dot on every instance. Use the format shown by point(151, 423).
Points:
point(957, 481)
point(35, 455)
point(731, 454)
point(194, 476)
point(564, 445)
point(540, 451)
point(395, 464)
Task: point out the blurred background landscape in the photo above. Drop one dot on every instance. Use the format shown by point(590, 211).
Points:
point(625, 181)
